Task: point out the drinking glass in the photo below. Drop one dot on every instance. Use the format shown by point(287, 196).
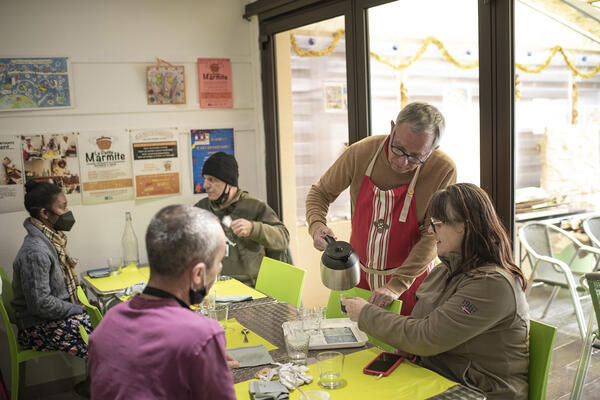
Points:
point(296, 343)
point(330, 364)
point(219, 312)
point(115, 264)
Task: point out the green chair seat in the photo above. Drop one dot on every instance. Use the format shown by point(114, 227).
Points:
point(334, 309)
point(93, 311)
point(17, 355)
point(284, 282)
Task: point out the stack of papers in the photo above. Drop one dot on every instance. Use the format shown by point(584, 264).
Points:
point(262, 390)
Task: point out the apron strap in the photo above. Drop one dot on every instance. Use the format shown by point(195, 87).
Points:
point(409, 195)
point(378, 272)
point(372, 163)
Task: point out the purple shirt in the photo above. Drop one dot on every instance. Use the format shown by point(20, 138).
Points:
point(156, 349)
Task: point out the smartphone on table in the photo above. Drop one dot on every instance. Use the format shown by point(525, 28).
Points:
point(383, 364)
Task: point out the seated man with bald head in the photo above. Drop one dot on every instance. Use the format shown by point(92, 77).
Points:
point(153, 346)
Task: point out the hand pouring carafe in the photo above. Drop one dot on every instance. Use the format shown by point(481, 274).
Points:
point(339, 265)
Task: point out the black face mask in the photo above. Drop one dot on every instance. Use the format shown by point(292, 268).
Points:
point(196, 296)
point(224, 196)
point(64, 222)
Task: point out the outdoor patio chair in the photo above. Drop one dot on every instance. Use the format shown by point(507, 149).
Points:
point(591, 227)
point(593, 280)
point(560, 270)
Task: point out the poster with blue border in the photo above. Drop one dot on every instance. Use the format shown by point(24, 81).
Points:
point(205, 143)
point(34, 83)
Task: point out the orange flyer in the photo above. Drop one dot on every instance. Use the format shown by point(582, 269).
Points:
point(214, 83)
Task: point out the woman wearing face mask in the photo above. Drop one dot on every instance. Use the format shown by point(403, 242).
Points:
point(44, 278)
point(471, 319)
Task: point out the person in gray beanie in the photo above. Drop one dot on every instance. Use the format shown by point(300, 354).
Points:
point(252, 228)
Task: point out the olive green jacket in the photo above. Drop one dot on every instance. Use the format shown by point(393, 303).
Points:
point(471, 328)
point(268, 237)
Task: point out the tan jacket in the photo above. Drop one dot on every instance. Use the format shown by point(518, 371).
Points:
point(471, 329)
point(349, 170)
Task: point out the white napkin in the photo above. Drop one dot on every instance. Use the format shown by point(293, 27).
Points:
point(233, 298)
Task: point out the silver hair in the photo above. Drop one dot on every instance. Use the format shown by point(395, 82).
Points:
point(423, 119)
point(180, 234)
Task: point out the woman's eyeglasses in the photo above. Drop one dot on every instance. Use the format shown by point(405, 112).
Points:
point(433, 224)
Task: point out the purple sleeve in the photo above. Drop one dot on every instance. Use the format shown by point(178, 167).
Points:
point(209, 372)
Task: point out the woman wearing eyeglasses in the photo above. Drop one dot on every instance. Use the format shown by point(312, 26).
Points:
point(471, 319)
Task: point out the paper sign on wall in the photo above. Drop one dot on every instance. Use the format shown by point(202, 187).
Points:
point(214, 82)
point(11, 175)
point(54, 158)
point(155, 163)
point(206, 142)
point(105, 167)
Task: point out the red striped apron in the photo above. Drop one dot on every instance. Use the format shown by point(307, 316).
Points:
point(384, 230)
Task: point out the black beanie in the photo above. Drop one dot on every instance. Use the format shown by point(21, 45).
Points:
point(222, 166)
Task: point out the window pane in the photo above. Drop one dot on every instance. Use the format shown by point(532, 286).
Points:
point(398, 32)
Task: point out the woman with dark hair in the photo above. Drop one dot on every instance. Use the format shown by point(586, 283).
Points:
point(471, 319)
point(44, 279)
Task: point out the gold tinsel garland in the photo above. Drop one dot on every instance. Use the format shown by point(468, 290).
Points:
point(574, 100)
point(432, 40)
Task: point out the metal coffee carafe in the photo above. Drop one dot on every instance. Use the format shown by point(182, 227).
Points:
point(339, 265)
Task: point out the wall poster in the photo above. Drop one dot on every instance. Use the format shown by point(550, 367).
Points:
point(214, 82)
point(11, 175)
point(165, 83)
point(206, 142)
point(156, 166)
point(53, 158)
point(34, 83)
point(105, 167)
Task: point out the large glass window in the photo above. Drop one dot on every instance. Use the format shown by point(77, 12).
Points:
point(432, 59)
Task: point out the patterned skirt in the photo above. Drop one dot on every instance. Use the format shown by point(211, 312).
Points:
point(60, 335)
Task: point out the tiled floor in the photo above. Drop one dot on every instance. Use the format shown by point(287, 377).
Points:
point(566, 354)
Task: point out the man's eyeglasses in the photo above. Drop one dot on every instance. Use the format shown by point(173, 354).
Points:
point(409, 157)
point(434, 223)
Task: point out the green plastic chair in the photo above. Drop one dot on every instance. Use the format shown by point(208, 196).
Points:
point(280, 280)
point(541, 344)
point(17, 355)
point(93, 311)
point(593, 280)
point(334, 310)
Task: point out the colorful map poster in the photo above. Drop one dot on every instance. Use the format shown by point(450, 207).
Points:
point(105, 167)
point(206, 142)
point(214, 82)
point(34, 83)
point(53, 158)
point(11, 174)
point(155, 163)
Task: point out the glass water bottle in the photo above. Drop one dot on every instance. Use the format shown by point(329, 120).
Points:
point(131, 253)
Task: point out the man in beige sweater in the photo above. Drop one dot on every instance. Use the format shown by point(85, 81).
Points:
point(391, 180)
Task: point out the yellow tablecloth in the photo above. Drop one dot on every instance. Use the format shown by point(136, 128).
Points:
point(235, 338)
point(130, 275)
point(408, 381)
point(235, 287)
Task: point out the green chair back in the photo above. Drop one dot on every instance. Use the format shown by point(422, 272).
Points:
point(93, 311)
point(280, 280)
point(7, 294)
point(334, 309)
point(541, 344)
point(593, 280)
point(17, 356)
point(84, 334)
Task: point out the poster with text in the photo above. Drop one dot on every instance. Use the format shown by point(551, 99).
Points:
point(53, 158)
point(156, 168)
point(34, 83)
point(11, 175)
point(214, 82)
point(105, 167)
point(205, 143)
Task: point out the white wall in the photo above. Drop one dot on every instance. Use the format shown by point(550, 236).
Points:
point(109, 44)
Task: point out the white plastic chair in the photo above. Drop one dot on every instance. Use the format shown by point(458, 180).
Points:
point(535, 238)
point(591, 227)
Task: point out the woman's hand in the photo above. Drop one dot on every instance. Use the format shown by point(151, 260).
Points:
point(354, 307)
point(232, 363)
